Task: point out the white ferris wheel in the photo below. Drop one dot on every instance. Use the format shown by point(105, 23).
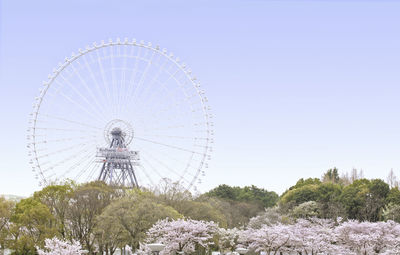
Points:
point(124, 112)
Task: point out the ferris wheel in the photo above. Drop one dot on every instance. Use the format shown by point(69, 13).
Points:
point(124, 112)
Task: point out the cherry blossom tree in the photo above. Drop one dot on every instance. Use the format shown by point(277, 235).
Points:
point(56, 246)
point(228, 238)
point(269, 239)
point(369, 237)
point(182, 236)
point(314, 236)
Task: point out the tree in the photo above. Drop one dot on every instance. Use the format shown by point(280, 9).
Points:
point(32, 224)
point(5, 217)
point(248, 193)
point(201, 210)
point(271, 216)
point(182, 235)
point(56, 198)
point(368, 237)
point(55, 246)
point(126, 220)
point(269, 239)
point(392, 179)
point(329, 201)
point(392, 212)
point(301, 194)
point(306, 210)
point(393, 196)
point(228, 239)
point(332, 176)
point(365, 199)
point(87, 202)
point(314, 236)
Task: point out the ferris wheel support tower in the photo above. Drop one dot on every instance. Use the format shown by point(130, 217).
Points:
point(118, 161)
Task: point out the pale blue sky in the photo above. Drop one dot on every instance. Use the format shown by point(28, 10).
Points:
point(296, 87)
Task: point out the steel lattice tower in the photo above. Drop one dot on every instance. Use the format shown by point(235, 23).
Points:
point(118, 161)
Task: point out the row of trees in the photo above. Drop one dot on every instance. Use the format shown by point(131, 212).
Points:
point(312, 236)
point(333, 196)
point(103, 218)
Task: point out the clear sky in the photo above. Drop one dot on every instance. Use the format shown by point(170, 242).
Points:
point(296, 87)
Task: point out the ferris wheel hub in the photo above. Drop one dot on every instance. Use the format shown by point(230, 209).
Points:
point(118, 127)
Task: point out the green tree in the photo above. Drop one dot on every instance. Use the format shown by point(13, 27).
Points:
point(307, 209)
point(300, 194)
point(32, 224)
point(252, 193)
point(6, 208)
point(87, 202)
point(365, 199)
point(126, 220)
point(392, 212)
point(57, 199)
point(332, 175)
point(329, 200)
point(393, 196)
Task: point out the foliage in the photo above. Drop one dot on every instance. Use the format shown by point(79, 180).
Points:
point(56, 198)
point(332, 176)
point(103, 218)
point(306, 210)
point(126, 220)
point(6, 208)
point(249, 194)
point(271, 216)
point(88, 201)
point(32, 224)
point(392, 212)
point(365, 199)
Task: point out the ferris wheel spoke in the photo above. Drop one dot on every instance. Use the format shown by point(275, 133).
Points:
point(142, 77)
point(124, 80)
point(92, 75)
point(71, 121)
point(179, 175)
point(186, 163)
point(89, 90)
point(64, 129)
point(87, 163)
point(133, 75)
point(182, 86)
point(123, 75)
point(152, 168)
point(67, 149)
point(63, 139)
point(146, 174)
point(161, 86)
point(175, 136)
point(103, 76)
point(166, 145)
point(85, 99)
point(84, 161)
point(92, 114)
point(113, 85)
point(85, 149)
point(92, 172)
point(153, 81)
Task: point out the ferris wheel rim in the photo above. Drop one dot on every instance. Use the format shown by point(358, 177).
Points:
point(68, 61)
